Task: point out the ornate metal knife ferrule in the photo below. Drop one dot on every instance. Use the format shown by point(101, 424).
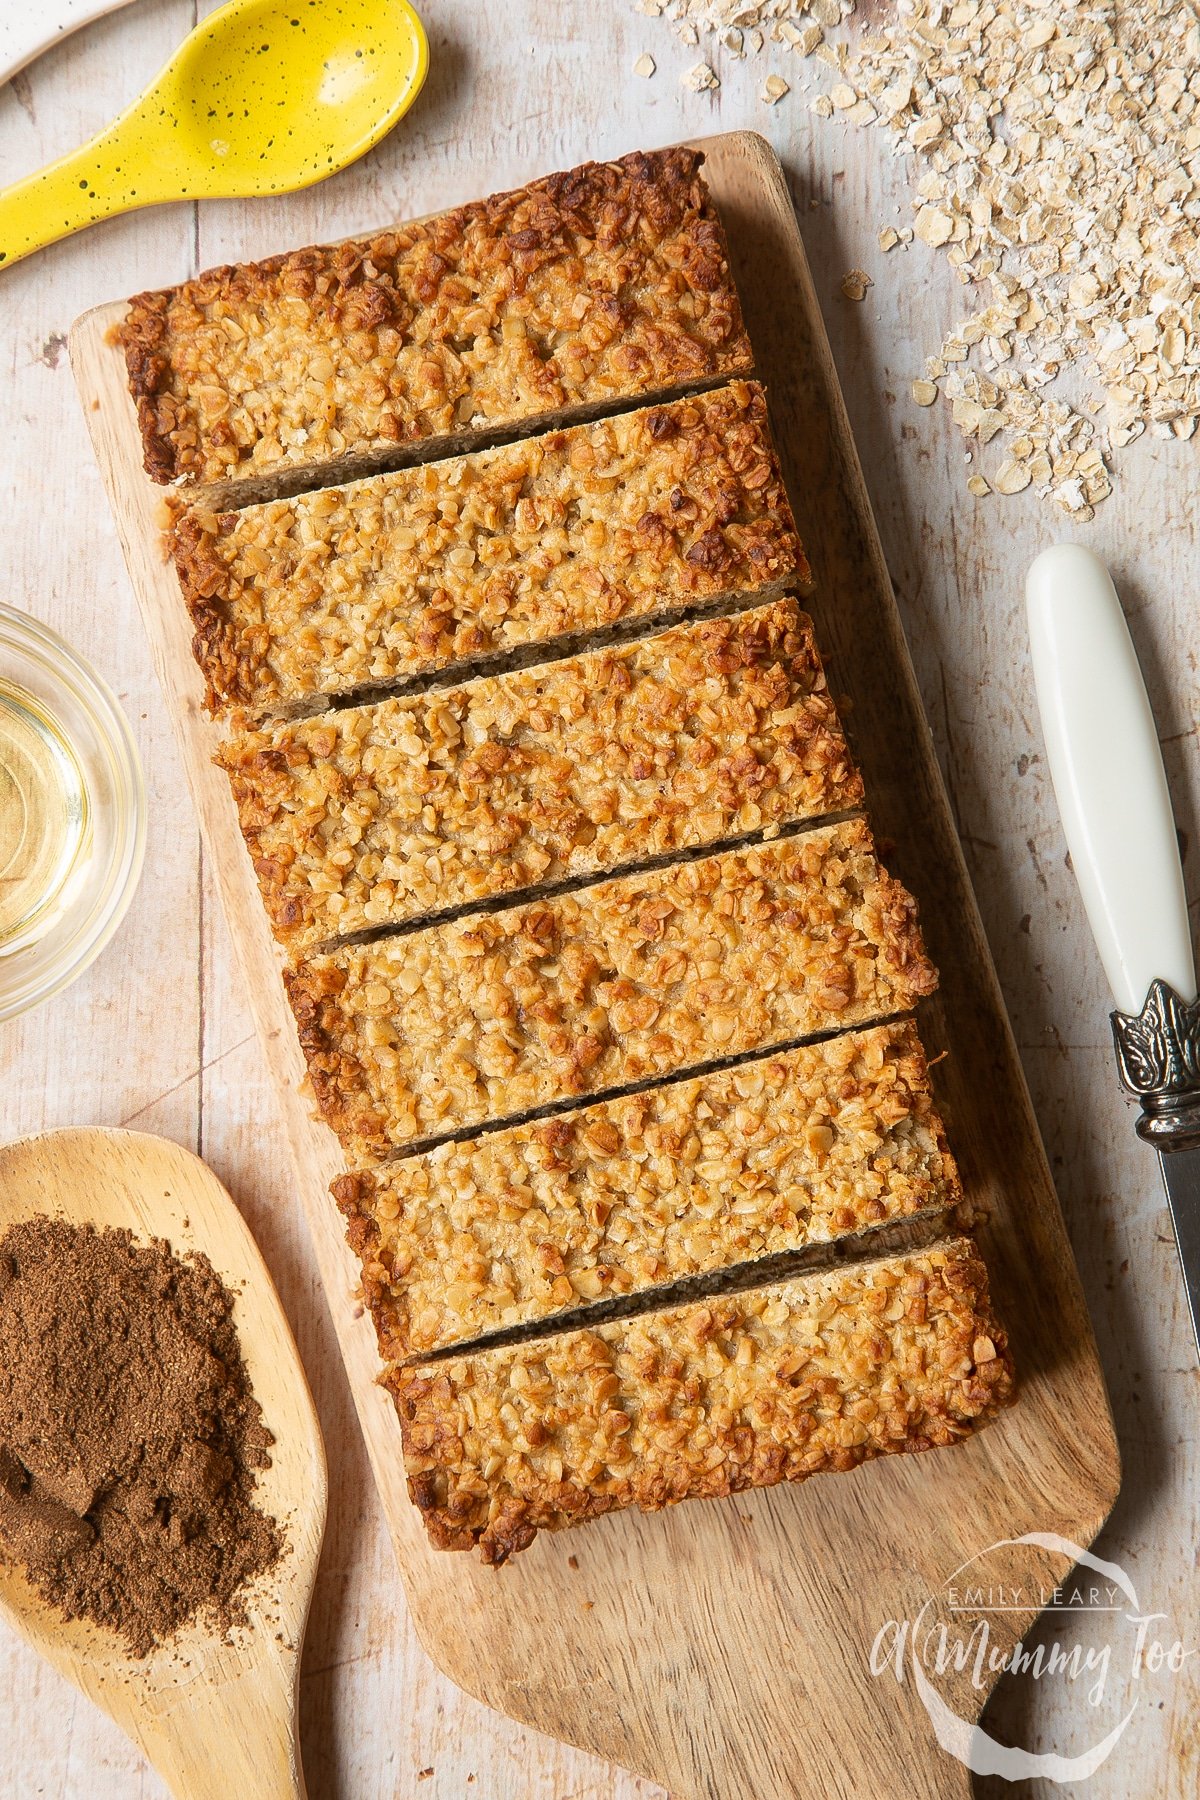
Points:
point(1158, 1053)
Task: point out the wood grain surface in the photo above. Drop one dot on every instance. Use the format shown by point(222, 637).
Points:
point(213, 1715)
point(157, 1033)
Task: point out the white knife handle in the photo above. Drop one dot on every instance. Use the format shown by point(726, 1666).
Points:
point(1108, 776)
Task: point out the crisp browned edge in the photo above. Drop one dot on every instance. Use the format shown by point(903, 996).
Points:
point(337, 1077)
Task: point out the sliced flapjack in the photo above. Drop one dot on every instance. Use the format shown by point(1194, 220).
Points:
point(384, 814)
point(495, 1015)
point(743, 1390)
point(606, 283)
point(512, 552)
point(772, 1157)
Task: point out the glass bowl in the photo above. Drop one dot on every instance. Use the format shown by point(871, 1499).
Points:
point(72, 813)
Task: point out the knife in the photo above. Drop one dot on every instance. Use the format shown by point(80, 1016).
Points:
point(1107, 770)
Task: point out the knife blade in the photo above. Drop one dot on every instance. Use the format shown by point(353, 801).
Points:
point(1106, 766)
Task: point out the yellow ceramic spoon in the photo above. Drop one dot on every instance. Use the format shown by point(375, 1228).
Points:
point(262, 97)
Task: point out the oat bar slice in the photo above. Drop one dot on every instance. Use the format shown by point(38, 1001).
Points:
point(494, 1015)
point(609, 282)
point(738, 1391)
point(799, 1148)
point(633, 519)
point(384, 814)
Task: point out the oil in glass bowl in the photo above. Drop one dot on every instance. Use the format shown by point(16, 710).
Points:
point(45, 818)
point(72, 814)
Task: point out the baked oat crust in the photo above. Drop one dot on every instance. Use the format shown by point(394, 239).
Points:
point(739, 1391)
point(631, 519)
point(604, 283)
point(383, 814)
point(788, 1151)
point(491, 1016)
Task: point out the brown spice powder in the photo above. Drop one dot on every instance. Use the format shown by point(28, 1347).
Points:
point(129, 1435)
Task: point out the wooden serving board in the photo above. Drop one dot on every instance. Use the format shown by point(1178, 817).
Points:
point(722, 1648)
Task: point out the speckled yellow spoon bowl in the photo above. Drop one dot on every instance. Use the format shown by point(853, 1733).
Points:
point(264, 96)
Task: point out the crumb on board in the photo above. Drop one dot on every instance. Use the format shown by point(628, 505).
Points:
point(855, 283)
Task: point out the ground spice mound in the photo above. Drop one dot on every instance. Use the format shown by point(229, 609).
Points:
point(129, 1436)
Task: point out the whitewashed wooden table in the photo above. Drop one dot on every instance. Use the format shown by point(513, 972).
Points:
point(155, 1036)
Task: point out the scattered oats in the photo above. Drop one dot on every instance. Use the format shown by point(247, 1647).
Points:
point(855, 284)
point(894, 99)
point(700, 78)
point(1011, 477)
point(933, 226)
point(924, 392)
point(888, 239)
point(745, 27)
point(978, 486)
point(1056, 159)
point(774, 88)
point(645, 66)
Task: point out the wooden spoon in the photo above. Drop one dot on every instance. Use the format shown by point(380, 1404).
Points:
point(217, 1720)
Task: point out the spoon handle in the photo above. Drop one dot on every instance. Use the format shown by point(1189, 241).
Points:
point(104, 177)
point(232, 1737)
